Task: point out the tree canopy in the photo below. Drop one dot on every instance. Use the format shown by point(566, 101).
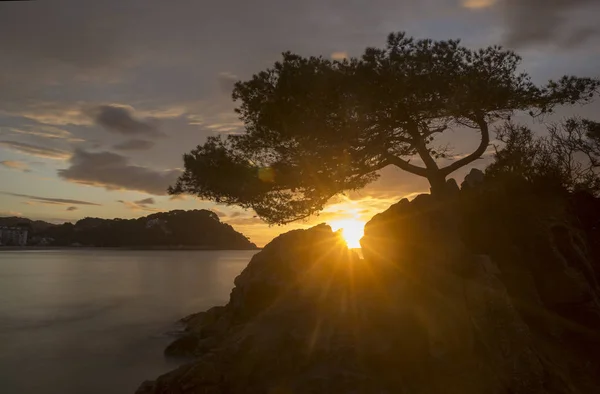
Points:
point(567, 157)
point(316, 127)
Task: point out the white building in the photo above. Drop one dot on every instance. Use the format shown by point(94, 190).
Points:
point(13, 236)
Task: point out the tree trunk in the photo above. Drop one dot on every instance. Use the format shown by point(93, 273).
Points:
point(437, 180)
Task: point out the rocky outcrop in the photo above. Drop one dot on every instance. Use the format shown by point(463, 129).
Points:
point(543, 249)
point(459, 301)
point(479, 293)
point(473, 179)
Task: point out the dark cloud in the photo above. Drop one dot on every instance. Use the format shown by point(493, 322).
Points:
point(34, 203)
point(550, 21)
point(96, 54)
point(61, 201)
point(152, 51)
point(134, 145)
point(146, 201)
point(85, 32)
point(121, 120)
point(100, 34)
point(115, 172)
point(72, 208)
point(34, 150)
point(580, 36)
point(141, 205)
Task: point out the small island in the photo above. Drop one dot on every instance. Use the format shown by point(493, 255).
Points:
point(178, 229)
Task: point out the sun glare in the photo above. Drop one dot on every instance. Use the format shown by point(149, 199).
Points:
point(352, 231)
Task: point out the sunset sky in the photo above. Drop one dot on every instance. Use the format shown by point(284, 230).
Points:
point(100, 99)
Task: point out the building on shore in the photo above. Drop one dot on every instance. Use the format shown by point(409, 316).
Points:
point(13, 236)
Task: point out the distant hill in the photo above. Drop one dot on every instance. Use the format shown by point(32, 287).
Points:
point(175, 229)
point(32, 225)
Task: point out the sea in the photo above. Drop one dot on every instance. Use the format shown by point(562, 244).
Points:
point(96, 321)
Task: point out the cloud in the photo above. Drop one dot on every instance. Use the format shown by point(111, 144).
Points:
point(225, 127)
point(48, 113)
point(34, 150)
point(219, 213)
point(120, 119)
point(114, 172)
point(544, 21)
point(46, 131)
point(83, 44)
point(339, 55)
point(37, 203)
point(146, 201)
point(477, 4)
point(178, 197)
point(216, 119)
point(61, 201)
point(130, 145)
point(15, 165)
point(141, 205)
point(72, 208)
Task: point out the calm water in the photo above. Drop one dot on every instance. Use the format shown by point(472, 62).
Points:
point(97, 321)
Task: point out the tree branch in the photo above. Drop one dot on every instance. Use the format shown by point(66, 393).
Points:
point(419, 144)
point(440, 129)
point(485, 141)
point(406, 166)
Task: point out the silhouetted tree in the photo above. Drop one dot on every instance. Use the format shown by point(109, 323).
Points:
point(316, 127)
point(567, 157)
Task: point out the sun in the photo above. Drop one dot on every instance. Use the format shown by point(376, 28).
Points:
point(352, 230)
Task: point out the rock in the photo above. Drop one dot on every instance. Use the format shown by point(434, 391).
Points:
point(500, 329)
point(452, 189)
point(421, 240)
point(202, 333)
point(488, 266)
point(453, 297)
point(474, 178)
point(421, 202)
point(191, 345)
point(197, 321)
point(184, 346)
